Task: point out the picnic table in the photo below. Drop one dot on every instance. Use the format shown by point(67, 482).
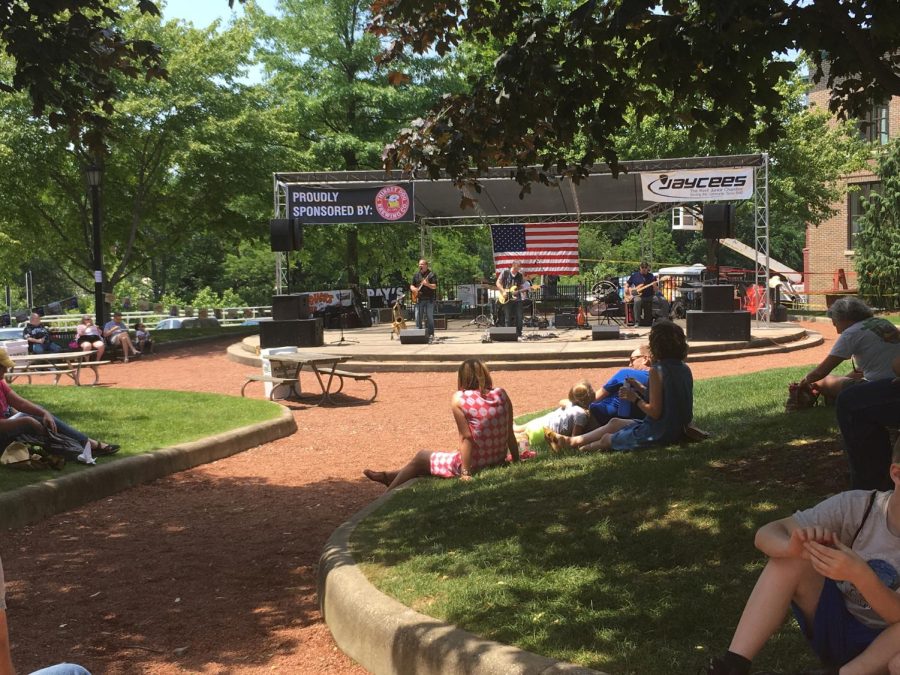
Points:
point(61, 363)
point(323, 366)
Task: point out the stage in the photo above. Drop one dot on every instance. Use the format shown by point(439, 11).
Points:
point(373, 350)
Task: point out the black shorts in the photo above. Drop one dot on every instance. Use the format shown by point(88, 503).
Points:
point(90, 339)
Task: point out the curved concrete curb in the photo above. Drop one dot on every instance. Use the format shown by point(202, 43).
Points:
point(33, 503)
point(385, 636)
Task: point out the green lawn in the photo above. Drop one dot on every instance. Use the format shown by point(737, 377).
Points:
point(629, 563)
point(138, 420)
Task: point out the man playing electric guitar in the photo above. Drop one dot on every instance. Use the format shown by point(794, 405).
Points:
point(642, 287)
point(423, 289)
point(510, 284)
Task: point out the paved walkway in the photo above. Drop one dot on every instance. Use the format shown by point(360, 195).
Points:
point(213, 570)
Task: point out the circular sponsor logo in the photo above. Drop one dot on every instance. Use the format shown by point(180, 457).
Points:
point(392, 202)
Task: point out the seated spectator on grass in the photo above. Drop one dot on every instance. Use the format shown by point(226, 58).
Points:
point(88, 336)
point(837, 566)
point(871, 342)
point(571, 417)
point(484, 419)
point(667, 403)
point(38, 337)
point(6, 667)
point(142, 339)
point(866, 413)
point(34, 419)
point(608, 404)
point(116, 333)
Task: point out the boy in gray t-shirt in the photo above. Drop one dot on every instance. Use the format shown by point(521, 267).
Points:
point(837, 565)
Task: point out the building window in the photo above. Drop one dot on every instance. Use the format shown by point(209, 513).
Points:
point(858, 193)
point(874, 126)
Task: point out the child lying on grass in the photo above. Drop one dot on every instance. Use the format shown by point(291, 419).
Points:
point(571, 417)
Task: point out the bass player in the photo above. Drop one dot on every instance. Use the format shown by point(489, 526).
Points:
point(641, 286)
point(424, 292)
point(511, 283)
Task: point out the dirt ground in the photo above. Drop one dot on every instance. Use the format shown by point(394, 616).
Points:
point(213, 570)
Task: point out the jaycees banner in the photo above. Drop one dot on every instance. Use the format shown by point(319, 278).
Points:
point(319, 205)
point(697, 185)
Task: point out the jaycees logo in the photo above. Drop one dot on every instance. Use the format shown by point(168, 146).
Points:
point(392, 202)
point(698, 185)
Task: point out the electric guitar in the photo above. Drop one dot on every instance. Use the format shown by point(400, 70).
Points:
point(506, 294)
point(630, 292)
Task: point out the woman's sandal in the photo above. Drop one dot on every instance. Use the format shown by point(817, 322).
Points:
point(552, 439)
point(104, 449)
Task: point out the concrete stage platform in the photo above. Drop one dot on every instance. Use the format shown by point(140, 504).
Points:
point(373, 350)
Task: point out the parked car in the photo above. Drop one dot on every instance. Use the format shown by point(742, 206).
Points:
point(169, 324)
point(11, 333)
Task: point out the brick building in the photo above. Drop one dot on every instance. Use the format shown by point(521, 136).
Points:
point(829, 246)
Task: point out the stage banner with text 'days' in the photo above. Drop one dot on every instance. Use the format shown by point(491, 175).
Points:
point(317, 205)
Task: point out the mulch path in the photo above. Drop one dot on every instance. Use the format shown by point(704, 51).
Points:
point(213, 570)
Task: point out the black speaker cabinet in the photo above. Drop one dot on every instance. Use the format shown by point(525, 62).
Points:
point(717, 298)
point(291, 333)
point(440, 322)
point(718, 221)
point(287, 307)
point(413, 336)
point(503, 334)
point(565, 320)
point(718, 326)
point(285, 234)
point(605, 333)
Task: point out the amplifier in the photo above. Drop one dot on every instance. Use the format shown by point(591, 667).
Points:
point(413, 336)
point(717, 298)
point(292, 333)
point(503, 334)
point(605, 332)
point(717, 326)
point(440, 322)
point(566, 320)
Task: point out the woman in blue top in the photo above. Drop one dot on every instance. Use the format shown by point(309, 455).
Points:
point(669, 407)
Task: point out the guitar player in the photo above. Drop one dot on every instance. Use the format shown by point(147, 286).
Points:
point(513, 311)
point(642, 279)
point(424, 292)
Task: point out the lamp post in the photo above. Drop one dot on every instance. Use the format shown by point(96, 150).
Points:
point(94, 175)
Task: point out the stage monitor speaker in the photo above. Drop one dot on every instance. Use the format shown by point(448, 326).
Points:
point(605, 333)
point(285, 234)
point(293, 333)
point(503, 334)
point(718, 326)
point(717, 298)
point(565, 320)
point(287, 307)
point(718, 221)
point(413, 336)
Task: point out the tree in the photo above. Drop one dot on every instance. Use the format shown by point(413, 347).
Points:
point(191, 153)
point(570, 74)
point(877, 263)
point(67, 56)
point(321, 63)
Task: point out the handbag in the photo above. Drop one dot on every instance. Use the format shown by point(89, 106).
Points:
point(800, 397)
point(52, 443)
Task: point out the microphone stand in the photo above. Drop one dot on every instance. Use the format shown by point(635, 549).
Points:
point(341, 320)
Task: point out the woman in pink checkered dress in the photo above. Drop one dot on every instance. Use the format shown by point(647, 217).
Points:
point(484, 418)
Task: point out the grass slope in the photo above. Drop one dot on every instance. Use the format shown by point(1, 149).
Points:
point(629, 563)
point(138, 420)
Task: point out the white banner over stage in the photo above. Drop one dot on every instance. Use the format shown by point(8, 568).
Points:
point(698, 185)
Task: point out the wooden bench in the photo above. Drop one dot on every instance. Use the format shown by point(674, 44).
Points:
point(367, 377)
point(290, 381)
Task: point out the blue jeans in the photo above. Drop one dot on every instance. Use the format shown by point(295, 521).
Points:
point(50, 347)
point(864, 413)
point(61, 427)
point(513, 311)
point(425, 315)
point(62, 669)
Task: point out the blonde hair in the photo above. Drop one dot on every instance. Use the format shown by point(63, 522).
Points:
point(582, 394)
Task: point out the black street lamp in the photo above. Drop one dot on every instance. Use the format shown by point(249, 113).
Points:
point(94, 175)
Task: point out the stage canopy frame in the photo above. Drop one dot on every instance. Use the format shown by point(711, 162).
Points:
point(596, 199)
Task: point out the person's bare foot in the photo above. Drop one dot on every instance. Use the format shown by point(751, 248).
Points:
point(377, 476)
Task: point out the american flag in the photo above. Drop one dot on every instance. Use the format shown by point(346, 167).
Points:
point(540, 248)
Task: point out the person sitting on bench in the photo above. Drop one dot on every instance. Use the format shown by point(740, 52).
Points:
point(116, 333)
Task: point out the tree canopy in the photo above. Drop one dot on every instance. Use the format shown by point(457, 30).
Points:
point(569, 74)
